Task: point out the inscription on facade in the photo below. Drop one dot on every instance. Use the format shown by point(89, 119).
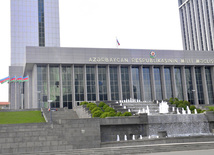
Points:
point(149, 60)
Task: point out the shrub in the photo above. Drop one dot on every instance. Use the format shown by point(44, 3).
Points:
point(118, 114)
point(176, 103)
point(192, 108)
point(90, 104)
point(101, 104)
point(127, 114)
point(200, 111)
point(171, 100)
point(96, 109)
point(104, 115)
point(92, 107)
point(210, 108)
point(111, 114)
point(84, 103)
point(186, 103)
point(105, 106)
point(182, 105)
point(108, 109)
point(97, 113)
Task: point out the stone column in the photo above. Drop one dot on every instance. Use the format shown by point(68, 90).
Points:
point(141, 83)
point(204, 83)
point(131, 82)
point(212, 78)
point(85, 83)
point(108, 83)
point(152, 82)
point(48, 81)
point(73, 86)
point(60, 86)
point(97, 83)
point(163, 82)
point(184, 86)
point(195, 94)
point(120, 83)
point(173, 81)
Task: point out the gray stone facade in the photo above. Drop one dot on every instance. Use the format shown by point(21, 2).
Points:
point(174, 60)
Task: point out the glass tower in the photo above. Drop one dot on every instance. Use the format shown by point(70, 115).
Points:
point(33, 23)
point(197, 24)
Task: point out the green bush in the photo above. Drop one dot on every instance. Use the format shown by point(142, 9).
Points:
point(200, 111)
point(210, 108)
point(182, 105)
point(108, 109)
point(127, 114)
point(84, 103)
point(105, 106)
point(101, 104)
point(92, 107)
point(118, 114)
point(97, 113)
point(96, 109)
point(104, 115)
point(90, 104)
point(111, 114)
point(192, 108)
point(186, 103)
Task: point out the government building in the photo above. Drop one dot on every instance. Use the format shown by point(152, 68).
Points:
point(68, 76)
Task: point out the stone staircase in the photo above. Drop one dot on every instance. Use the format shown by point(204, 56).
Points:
point(61, 113)
point(136, 106)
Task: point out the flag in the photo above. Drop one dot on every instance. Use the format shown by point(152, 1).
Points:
point(118, 42)
point(13, 79)
point(5, 80)
point(25, 78)
point(19, 79)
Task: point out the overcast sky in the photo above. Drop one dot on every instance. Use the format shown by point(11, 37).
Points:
point(138, 24)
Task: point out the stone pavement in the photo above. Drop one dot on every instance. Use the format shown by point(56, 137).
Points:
point(196, 148)
point(195, 152)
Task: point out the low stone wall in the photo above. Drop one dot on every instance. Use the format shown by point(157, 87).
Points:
point(120, 126)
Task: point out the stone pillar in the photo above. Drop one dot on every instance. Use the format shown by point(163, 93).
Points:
point(195, 94)
point(73, 86)
point(108, 83)
point(183, 78)
point(131, 82)
point(97, 83)
point(85, 83)
point(60, 86)
point(141, 83)
point(120, 83)
point(204, 83)
point(48, 81)
point(163, 82)
point(212, 78)
point(173, 81)
point(152, 82)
